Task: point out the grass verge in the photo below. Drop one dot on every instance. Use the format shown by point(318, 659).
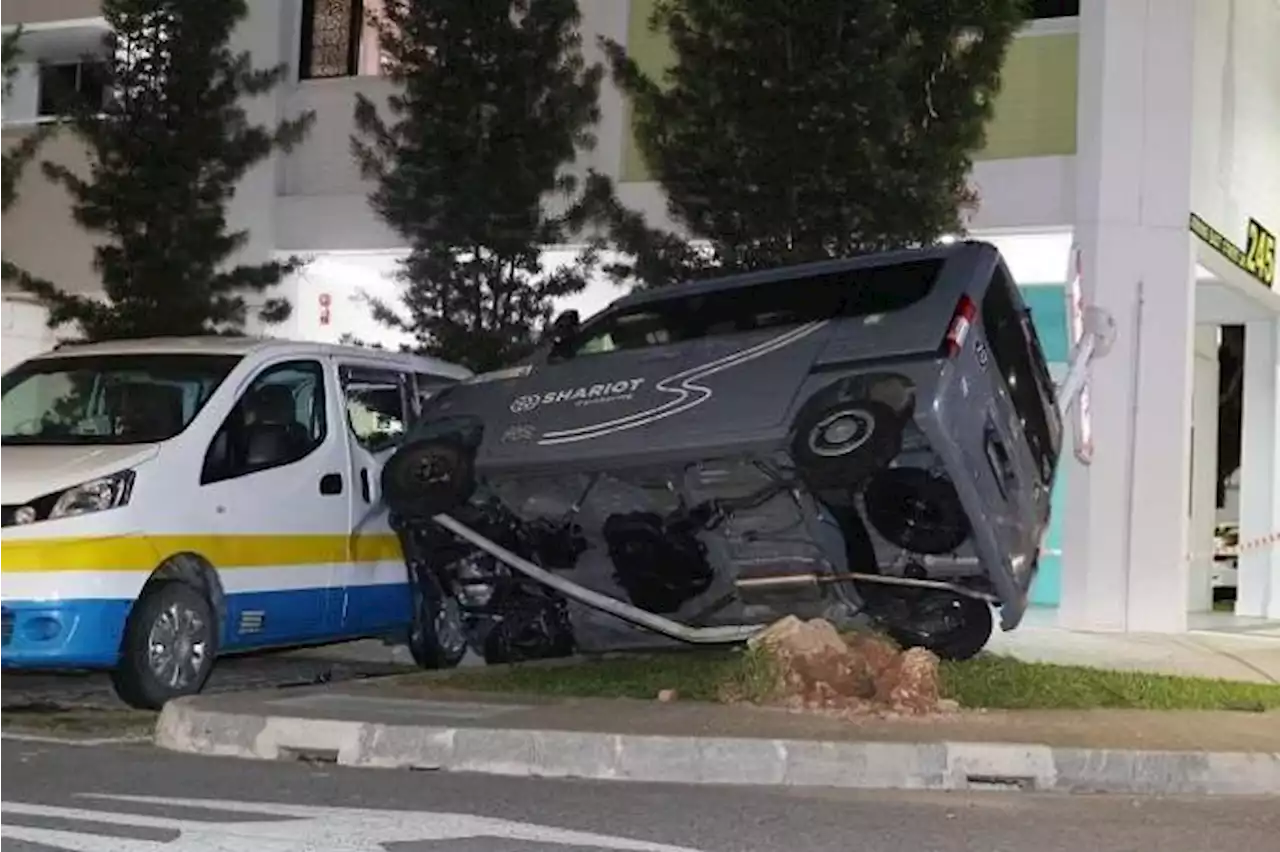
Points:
point(57, 720)
point(987, 681)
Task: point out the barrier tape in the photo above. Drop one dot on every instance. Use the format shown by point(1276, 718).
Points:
point(1266, 542)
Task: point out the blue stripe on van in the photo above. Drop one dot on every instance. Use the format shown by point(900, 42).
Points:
point(72, 634)
point(63, 634)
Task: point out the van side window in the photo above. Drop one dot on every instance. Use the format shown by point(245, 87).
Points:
point(279, 420)
point(848, 293)
point(1016, 351)
point(375, 404)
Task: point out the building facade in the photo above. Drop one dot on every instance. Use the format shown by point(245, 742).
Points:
point(1142, 132)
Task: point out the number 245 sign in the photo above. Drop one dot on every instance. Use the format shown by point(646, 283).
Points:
point(1260, 253)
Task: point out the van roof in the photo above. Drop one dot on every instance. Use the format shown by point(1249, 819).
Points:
point(227, 345)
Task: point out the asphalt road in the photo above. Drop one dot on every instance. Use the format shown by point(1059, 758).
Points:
point(73, 797)
point(331, 663)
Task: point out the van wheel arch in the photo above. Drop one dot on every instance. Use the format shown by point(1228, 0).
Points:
point(876, 406)
point(197, 572)
point(182, 607)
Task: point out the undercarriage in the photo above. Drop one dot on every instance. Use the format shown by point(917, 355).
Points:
point(712, 551)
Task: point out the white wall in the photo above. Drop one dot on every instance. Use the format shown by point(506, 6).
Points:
point(24, 331)
point(1236, 164)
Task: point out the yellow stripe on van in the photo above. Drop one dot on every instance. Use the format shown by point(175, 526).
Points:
point(145, 553)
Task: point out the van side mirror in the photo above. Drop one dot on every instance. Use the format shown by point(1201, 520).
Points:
point(565, 326)
point(563, 329)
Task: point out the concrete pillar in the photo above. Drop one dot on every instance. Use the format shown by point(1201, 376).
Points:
point(1125, 530)
point(1258, 593)
point(1204, 470)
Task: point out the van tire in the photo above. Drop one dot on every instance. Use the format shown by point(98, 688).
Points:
point(431, 647)
point(917, 510)
point(178, 612)
point(875, 441)
point(426, 478)
point(963, 641)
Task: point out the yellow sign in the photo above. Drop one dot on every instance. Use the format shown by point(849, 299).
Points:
point(1258, 257)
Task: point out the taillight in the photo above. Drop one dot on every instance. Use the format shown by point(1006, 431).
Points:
point(961, 322)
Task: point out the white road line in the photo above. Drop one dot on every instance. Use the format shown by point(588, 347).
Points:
point(297, 828)
point(72, 741)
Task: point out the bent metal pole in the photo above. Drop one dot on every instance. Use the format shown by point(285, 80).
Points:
point(604, 603)
point(1099, 335)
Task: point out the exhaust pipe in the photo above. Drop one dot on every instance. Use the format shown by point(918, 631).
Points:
point(813, 580)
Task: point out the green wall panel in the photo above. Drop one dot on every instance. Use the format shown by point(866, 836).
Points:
point(1035, 112)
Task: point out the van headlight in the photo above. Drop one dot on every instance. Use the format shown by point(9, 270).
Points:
point(96, 495)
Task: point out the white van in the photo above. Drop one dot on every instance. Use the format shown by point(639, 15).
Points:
point(169, 500)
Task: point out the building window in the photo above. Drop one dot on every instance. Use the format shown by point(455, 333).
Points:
point(61, 82)
point(1055, 8)
point(331, 31)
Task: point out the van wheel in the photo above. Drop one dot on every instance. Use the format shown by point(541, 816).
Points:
point(170, 643)
point(427, 478)
point(438, 637)
point(917, 510)
point(952, 626)
point(842, 444)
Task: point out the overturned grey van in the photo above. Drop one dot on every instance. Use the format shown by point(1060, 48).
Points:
point(871, 437)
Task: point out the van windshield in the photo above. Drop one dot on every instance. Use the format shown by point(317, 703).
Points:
point(108, 399)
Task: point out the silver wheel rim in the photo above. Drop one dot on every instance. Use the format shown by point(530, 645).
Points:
point(841, 432)
point(449, 631)
point(177, 646)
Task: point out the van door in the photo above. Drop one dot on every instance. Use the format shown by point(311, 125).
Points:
point(378, 403)
point(1022, 433)
point(274, 485)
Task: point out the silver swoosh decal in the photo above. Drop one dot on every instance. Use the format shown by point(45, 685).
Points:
point(683, 386)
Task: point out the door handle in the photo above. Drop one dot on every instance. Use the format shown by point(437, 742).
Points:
point(1001, 464)
point(364, 483)
point(331, 483)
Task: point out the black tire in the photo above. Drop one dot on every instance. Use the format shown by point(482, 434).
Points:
point(842, 444)
point(917, 510)
point(970, 629)
point(538, 632)
point(427, 478)
point(166, 608)
point(437, 638)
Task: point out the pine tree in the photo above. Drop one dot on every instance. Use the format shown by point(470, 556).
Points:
point(494, 100)
point(795, 130)
point(167, 150)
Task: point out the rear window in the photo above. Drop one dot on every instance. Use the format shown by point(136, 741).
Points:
point(772, 304)
point(1018, 355)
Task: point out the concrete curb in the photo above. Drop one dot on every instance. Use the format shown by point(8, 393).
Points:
point(184, 726)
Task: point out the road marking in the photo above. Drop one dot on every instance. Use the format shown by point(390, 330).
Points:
point(73, 741)
point(271, 827)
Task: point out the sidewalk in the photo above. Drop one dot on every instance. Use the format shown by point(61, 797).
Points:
point(401, 724)
point(1230, 656)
